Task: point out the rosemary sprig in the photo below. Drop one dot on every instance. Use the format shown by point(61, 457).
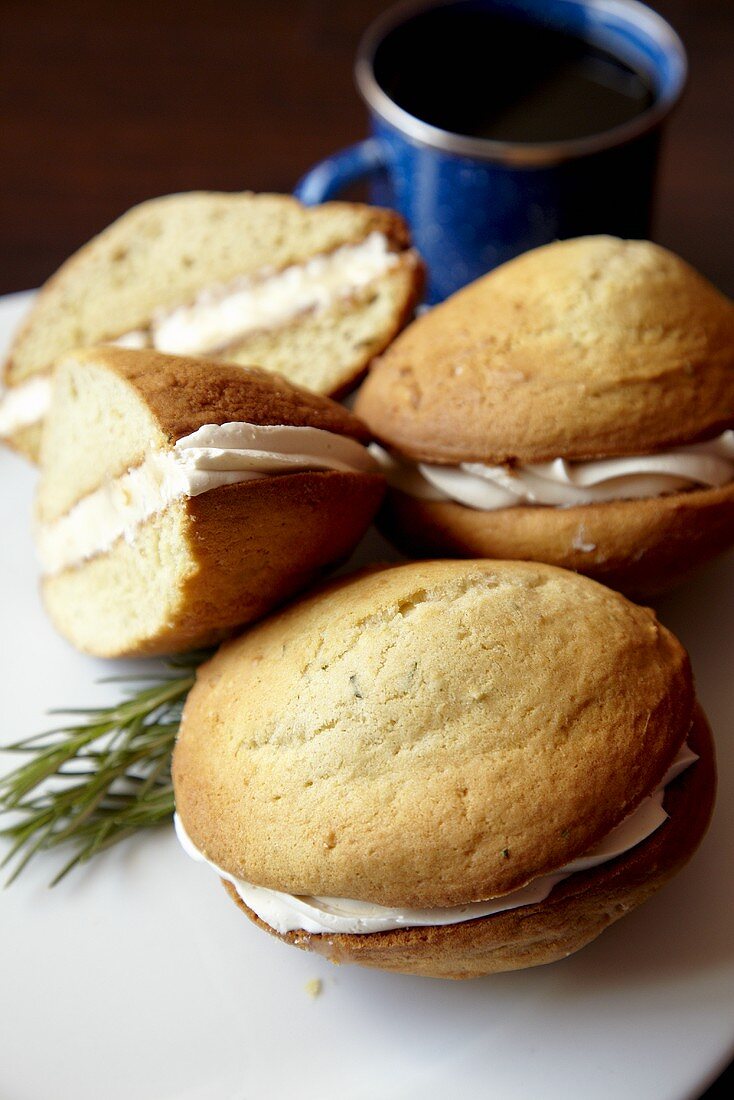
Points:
point(91, 783)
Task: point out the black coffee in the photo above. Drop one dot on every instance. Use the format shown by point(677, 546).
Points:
point(492, 75)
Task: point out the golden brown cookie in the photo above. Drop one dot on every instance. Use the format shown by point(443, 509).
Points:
point(641, 547)
point(318, 292)
point(577, 353)
point(158, 529)
point(431, 735)
point(578, 910)
point(585, 348)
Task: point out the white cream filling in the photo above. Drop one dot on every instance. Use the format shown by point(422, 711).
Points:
point(24, 404)
point(212, 456)
point(289, 913)
point(222, 315)
point(562, 483)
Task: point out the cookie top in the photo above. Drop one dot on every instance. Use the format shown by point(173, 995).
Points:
point(583, 349)
point(112, 405)
point(161, 253)
point(429, 734)
point(183, 393)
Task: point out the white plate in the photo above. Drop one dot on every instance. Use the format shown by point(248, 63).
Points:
point(137, 977)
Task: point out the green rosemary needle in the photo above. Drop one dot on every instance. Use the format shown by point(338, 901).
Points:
point(91, 783)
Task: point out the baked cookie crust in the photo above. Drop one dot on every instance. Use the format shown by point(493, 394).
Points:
point(640, 547)
point(392, 737)
point(576, 911)
point(583, 349)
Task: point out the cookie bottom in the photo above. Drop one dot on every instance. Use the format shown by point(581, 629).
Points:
point(640, 547)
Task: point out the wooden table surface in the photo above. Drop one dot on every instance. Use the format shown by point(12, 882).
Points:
point(105, 104)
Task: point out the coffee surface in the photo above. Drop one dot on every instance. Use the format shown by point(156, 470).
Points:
point(487, 75)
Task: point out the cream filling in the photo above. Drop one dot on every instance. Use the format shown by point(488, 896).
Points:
point(562, 483)
point(223, 314)
point(25, 404)
point(289, 913)
point(212, 456)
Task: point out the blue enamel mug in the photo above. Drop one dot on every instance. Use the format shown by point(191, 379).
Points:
point(474, 202)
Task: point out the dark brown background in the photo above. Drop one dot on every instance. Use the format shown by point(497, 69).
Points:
point(104, 104)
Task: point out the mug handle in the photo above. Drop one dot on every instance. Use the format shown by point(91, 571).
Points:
point(327, 178)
